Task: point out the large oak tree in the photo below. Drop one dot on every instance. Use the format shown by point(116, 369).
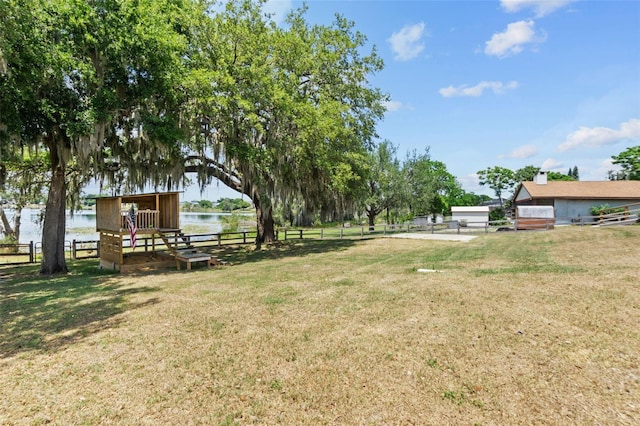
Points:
point(283, 113)
point(97, 84)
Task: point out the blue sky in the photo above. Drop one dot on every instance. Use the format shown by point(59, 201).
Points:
point(549, 83)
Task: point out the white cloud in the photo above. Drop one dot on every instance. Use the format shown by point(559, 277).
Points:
point(511, 40)
point(407, 43)
point(392, 105)
point(525, 151)
point(602, 170)
point(278, 9)
point(497, 87)
point(592, 137)
point(551, 164)
point(471, 182)
point(540, 7)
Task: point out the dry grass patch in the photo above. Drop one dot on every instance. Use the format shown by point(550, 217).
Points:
point(518, 328)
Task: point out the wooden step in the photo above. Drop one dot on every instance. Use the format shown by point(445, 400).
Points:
point(175, 234)
point(214, 261)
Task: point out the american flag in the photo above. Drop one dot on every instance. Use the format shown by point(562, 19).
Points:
point(131, 223)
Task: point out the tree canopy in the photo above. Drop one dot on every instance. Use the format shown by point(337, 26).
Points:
point(140, 92)
point(384, 183)
point(500, 179)
point(282, 113)
point(629, 162)
point(431, 189)
point(96, 85)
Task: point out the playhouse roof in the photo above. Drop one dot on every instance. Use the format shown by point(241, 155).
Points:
point(127, 198)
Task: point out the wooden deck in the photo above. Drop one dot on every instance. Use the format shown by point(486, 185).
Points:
point(142, 261)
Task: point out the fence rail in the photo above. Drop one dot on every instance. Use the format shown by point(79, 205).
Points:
point(14, 254)
point(627, 215)
point(381, 230)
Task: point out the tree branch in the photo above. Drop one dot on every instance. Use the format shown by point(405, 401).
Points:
point(214, 169)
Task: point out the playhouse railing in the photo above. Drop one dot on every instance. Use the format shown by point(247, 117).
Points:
point(145, 219)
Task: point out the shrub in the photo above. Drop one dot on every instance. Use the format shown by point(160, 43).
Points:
point(604, 209)
point(8, 239)
point(496, 214)
point(231, 223)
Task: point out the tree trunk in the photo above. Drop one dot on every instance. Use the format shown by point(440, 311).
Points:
point(372, 219)
point(264, 215)
point(266, 229)
point(16, 223)
point(6, 226)
point(53, 260)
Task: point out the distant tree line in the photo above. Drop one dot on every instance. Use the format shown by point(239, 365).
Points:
point(223, 204)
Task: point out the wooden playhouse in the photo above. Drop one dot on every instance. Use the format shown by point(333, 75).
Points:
point(157, 219)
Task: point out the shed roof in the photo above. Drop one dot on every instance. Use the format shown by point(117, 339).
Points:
point(603, 190)
point(470, 209)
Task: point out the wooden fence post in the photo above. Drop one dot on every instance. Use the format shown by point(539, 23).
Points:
point(32, 254)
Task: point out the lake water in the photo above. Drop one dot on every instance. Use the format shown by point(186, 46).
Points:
point(82, 226)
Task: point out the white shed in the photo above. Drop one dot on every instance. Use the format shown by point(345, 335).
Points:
point(470, 215)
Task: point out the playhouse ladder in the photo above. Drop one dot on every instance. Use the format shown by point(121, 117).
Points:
point(172, 241)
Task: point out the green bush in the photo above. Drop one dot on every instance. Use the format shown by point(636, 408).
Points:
point(498, 217)
point(8, 239)
point(605, 209)
point(230, 223)
point(496, 214)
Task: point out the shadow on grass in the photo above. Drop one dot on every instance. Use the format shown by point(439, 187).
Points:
point(282, 249)
point(49, 313)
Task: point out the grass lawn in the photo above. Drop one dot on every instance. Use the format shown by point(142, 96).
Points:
point(514, 328)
